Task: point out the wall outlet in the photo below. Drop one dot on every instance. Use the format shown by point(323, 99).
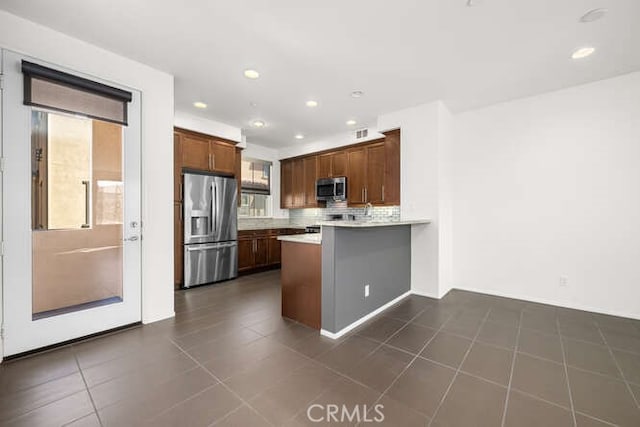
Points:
point(564, 281)
point(366, 291)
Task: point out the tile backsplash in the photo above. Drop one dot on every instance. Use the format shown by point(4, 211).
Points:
point(304, 217)
point(310, 216)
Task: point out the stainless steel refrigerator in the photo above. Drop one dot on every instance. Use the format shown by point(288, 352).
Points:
point(210, 229)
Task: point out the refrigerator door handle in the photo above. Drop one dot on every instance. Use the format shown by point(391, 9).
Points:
point(215, 204)
point(208, 247)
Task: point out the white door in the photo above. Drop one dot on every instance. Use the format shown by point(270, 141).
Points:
point(71, 219)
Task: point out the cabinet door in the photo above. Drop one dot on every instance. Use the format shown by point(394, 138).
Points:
point(286, 190)
point(297, 186)
point(261, 251)
point(195, 153)
point(177, 244)
point(274, 250)
point(177, 168)
point(245, 254)
point(392, 168)
point(310, 182)
point(223, 157)
point(375, 174)
point(339, 164)
point(356, 160)
point(324, 166)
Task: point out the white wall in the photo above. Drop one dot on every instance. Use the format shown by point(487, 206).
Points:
point(40, 42)
point(549, 186)
point(425, 137)
point(208, 127)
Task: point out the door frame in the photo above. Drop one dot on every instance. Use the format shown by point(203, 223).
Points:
point(107, 317)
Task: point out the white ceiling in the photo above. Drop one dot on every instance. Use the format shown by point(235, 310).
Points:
point(400, 53)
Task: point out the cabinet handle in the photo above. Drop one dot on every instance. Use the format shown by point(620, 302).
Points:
point(213, 161)
point(366, 194)
point(362, 194)
point(383, 193)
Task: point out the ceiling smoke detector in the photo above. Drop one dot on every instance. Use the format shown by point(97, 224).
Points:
point(593, 15)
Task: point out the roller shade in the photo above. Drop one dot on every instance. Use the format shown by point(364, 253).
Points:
point(60, 91)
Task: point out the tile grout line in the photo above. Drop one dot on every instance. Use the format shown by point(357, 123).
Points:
point(513, 365)
point(95, 409)
point(566, 372)
point(446, 393)
point(415, 358)
point(615, 360)
point(220, 382)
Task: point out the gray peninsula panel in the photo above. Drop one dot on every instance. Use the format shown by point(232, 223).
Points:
point(354, 257)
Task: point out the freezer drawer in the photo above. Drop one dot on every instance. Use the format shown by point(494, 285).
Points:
point(210, 262)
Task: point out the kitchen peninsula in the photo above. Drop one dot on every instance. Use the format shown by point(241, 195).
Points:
point(352, 272)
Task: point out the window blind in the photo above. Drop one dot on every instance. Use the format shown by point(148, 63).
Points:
point(60, 91)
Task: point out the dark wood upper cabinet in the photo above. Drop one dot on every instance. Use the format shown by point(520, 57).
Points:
point(372, 170)
point(195, 153)
point(297, 176)
point(339, 165)
point(286, 184)
point(209, 154)
point(375, 185)
point(356, 180)
point(223, 157)
point(324, 166)
point(310, 177)
point(392, 167)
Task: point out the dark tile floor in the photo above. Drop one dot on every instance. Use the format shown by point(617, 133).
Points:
point(228, 359)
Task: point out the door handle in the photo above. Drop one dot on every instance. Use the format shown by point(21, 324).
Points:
point(87, 208)
point(131, 239)
point(215, 204)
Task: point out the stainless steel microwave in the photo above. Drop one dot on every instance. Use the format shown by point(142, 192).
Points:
point(333, 189)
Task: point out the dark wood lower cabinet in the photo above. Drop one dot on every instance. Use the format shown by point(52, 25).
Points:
point(260, 249)
point(245, 254)
point(274, 250)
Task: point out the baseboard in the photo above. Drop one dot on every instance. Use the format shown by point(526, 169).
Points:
point(336, 335)
point(549, 302)
point(146, 321)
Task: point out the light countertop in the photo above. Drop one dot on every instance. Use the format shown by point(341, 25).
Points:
point(313, 238)
point(373, 223)
point(246, 227)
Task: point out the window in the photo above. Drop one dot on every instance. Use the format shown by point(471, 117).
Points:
point(256, 188)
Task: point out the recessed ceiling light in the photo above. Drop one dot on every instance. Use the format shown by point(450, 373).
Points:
point(311, 103)
point(351, 122)
point(357, 94)
point(299, 136)
point(593, 15)
point(257, 124)
point(199, 104)
point(583, 52)
point(251, 74)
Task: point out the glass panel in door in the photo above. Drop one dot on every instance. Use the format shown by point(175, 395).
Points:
point(77, 209)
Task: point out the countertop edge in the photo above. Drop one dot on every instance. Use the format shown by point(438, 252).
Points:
point(302, 238)
point(371, 224)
